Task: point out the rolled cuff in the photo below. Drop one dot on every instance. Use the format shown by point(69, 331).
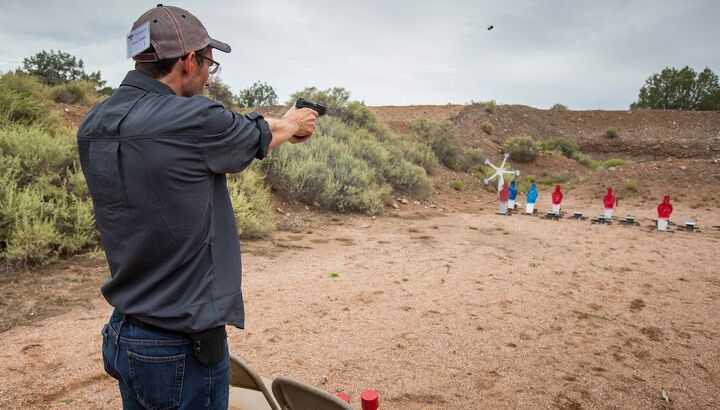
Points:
point(265, 134)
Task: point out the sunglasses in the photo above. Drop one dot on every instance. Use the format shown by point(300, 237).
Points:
point(214, 65)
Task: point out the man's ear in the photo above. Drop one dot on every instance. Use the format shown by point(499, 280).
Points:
point(189, 63)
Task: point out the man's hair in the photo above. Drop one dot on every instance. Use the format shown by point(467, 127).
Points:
point(158, 69)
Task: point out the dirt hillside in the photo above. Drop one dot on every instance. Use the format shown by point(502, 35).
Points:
point(669, 151)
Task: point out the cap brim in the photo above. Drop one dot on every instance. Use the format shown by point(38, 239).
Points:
point(219, 45)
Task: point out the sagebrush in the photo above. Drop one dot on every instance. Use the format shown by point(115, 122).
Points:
point(522, 148)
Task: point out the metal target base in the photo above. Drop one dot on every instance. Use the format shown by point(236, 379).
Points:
point(552, 216)
point(578, 216)
point(601, 220)
point(629, 221)
point(689, 226)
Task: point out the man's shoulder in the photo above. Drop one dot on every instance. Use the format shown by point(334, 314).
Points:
point(197, 115)
point(131, 111)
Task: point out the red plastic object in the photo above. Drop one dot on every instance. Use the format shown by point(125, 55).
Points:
point(343, 396)
point(369, 400)
point(504, 194)
point(665, 209)
point(609, 199)
point(557, 196)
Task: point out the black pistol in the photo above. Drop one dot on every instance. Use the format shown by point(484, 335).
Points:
point(303, 103)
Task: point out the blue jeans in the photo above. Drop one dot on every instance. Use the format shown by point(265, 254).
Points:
point(158, 371)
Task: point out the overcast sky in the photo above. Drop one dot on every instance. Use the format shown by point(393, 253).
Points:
point(584, 54)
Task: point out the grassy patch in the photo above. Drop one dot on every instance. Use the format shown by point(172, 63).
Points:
point(586, 161)
point(487, 127)
point(613, 162)
point(490, 106)
point(457, 185)
point(611, 132)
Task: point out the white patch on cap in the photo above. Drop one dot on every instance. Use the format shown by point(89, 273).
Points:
point(138, 40)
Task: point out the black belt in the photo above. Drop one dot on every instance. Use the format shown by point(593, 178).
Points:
point(208, 346)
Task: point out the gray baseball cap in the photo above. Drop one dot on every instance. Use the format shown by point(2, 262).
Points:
point(174, 32)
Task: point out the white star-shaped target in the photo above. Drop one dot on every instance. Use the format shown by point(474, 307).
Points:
point(499, 172)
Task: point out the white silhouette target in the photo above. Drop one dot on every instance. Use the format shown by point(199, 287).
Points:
point(499, 172)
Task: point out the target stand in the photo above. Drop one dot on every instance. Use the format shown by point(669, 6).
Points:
point(629, 221)
point(578, 216)
point(689, 226)
point(601, 220)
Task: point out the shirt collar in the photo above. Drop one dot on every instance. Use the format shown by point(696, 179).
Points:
point(143, 81)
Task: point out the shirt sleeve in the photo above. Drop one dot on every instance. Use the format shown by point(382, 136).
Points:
point(237, 140)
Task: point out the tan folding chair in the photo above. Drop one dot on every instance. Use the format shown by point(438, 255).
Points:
point(249, 391)
point(294, 395)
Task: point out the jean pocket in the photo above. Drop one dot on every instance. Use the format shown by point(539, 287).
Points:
point(108, 352)
point(157, 380)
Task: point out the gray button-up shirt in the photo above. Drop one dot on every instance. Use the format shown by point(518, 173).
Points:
point(155, 164)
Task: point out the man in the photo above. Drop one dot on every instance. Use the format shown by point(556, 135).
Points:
point(155, 155)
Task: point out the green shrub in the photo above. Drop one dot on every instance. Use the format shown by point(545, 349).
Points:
point(77, 227)
point(24, 100)
point(326, 173)
point(76, 183)
point(471, 159)
point(457, 185)
point(43, 220)
point(31, 241)
point(17, 108)
point(611, 132)
point(563, 145)
point(251, 203)
point(45, 210)
point(441, 138)
point(414, 151)
point(38, 151)
point(407, 177)
point(586, 161)
point(613, 162)
point(395, 160)
point(25, 85)
point(358, 114)
point(76, 92)
point(487, 127)
point(631, 185)
point(490, 106)
point(522, 148)
point(559, 107)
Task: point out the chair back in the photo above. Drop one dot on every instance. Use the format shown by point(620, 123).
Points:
point(294, 395)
